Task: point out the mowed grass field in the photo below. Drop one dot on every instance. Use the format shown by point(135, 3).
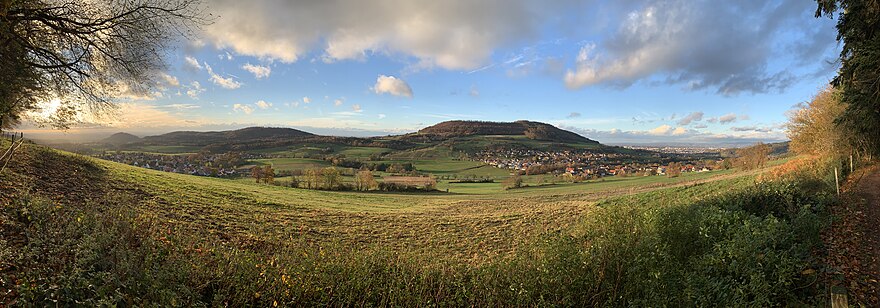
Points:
point(305, 150)
point(287, 164)
point(103, 232)
point(449, 171)
point(470, 223)
point(544, 184)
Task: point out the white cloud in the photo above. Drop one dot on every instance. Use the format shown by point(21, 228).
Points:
point(193, 63)
point(194, 89)
point(263, 104)
point(574, 115)
point(243, 108)
point(180, 106)
point(381, 116)
point(664, 130)
point(669, 39)
point(306, 99)
point(752, 129)
point(170, 80)
point(337, 102)
point(693, 117)
point(142, 116)
point(225, 82)
point(727, 118)
point(661, 130)
point(678, 136)
point(679, 131)
point(259, 71)
point(452, 34)
point(393, 86)
point(356, 108)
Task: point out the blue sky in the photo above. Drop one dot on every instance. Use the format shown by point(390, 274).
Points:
point(621, 72)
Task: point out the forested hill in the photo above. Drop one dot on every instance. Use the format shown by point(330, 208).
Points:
point(232, 136)
point(529, 129)
point(120, 138)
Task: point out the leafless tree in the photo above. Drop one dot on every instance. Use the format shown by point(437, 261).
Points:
point(85, 52)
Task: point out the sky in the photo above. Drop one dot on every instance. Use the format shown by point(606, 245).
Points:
point(620, 72)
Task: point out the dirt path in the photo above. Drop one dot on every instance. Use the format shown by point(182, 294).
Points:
point(853, 241)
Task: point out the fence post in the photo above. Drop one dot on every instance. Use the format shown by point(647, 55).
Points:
point(850, 163)
point(836, 182)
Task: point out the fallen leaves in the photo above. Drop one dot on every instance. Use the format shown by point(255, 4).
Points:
point(853, 239)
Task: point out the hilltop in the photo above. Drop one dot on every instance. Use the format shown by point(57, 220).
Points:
point(455, 136)
point(231, 136)
point(120, 138)
point(529, 129)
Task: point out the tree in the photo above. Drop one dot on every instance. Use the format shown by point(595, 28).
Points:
point(364, 180)
point(80, 56)
point(673, 170)
point(752, 157)
point(256, 173)
point(332, 179)
point(294, 182)
point(726, 164)
point(312, 178)
point(430, 184)
point(268, 174)
point(859, 76)
point(514, 181)
point(812, 129)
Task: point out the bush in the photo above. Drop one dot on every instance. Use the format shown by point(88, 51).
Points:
point(99, 255)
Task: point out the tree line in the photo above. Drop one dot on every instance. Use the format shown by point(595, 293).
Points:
point(851, 106)
point(331, 178)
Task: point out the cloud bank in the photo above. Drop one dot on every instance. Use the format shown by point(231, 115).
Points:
point(724, 45)
point(452, 34)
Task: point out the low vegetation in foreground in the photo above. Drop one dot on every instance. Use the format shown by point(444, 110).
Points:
point(115, 234)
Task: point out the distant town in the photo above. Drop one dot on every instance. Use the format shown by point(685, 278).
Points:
point(586, 163)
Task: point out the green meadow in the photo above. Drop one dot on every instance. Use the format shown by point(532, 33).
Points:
point(125, 235)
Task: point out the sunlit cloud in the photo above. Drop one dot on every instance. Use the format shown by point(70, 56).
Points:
point(193, 63)
point(225, 82)
point(194, 89)
point(246, 109)
point(258, 71)
point(263, 104)
point(392, 85)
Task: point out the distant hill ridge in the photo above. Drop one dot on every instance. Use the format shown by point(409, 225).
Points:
point(269, 137)
point(244, 134)
point(532, 130)
point(121, 138)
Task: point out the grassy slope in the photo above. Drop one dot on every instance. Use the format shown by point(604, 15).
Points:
point(258, 224)
point(455, 224)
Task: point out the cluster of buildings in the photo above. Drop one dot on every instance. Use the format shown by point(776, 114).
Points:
point(634, 169)
point(522, 159)
point(577, 163)
point(677, 149)
point(216, 165)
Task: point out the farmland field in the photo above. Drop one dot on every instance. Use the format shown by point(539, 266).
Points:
point(305, 150)
point(472, 220)
point(287, 164)
point(477, 232)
